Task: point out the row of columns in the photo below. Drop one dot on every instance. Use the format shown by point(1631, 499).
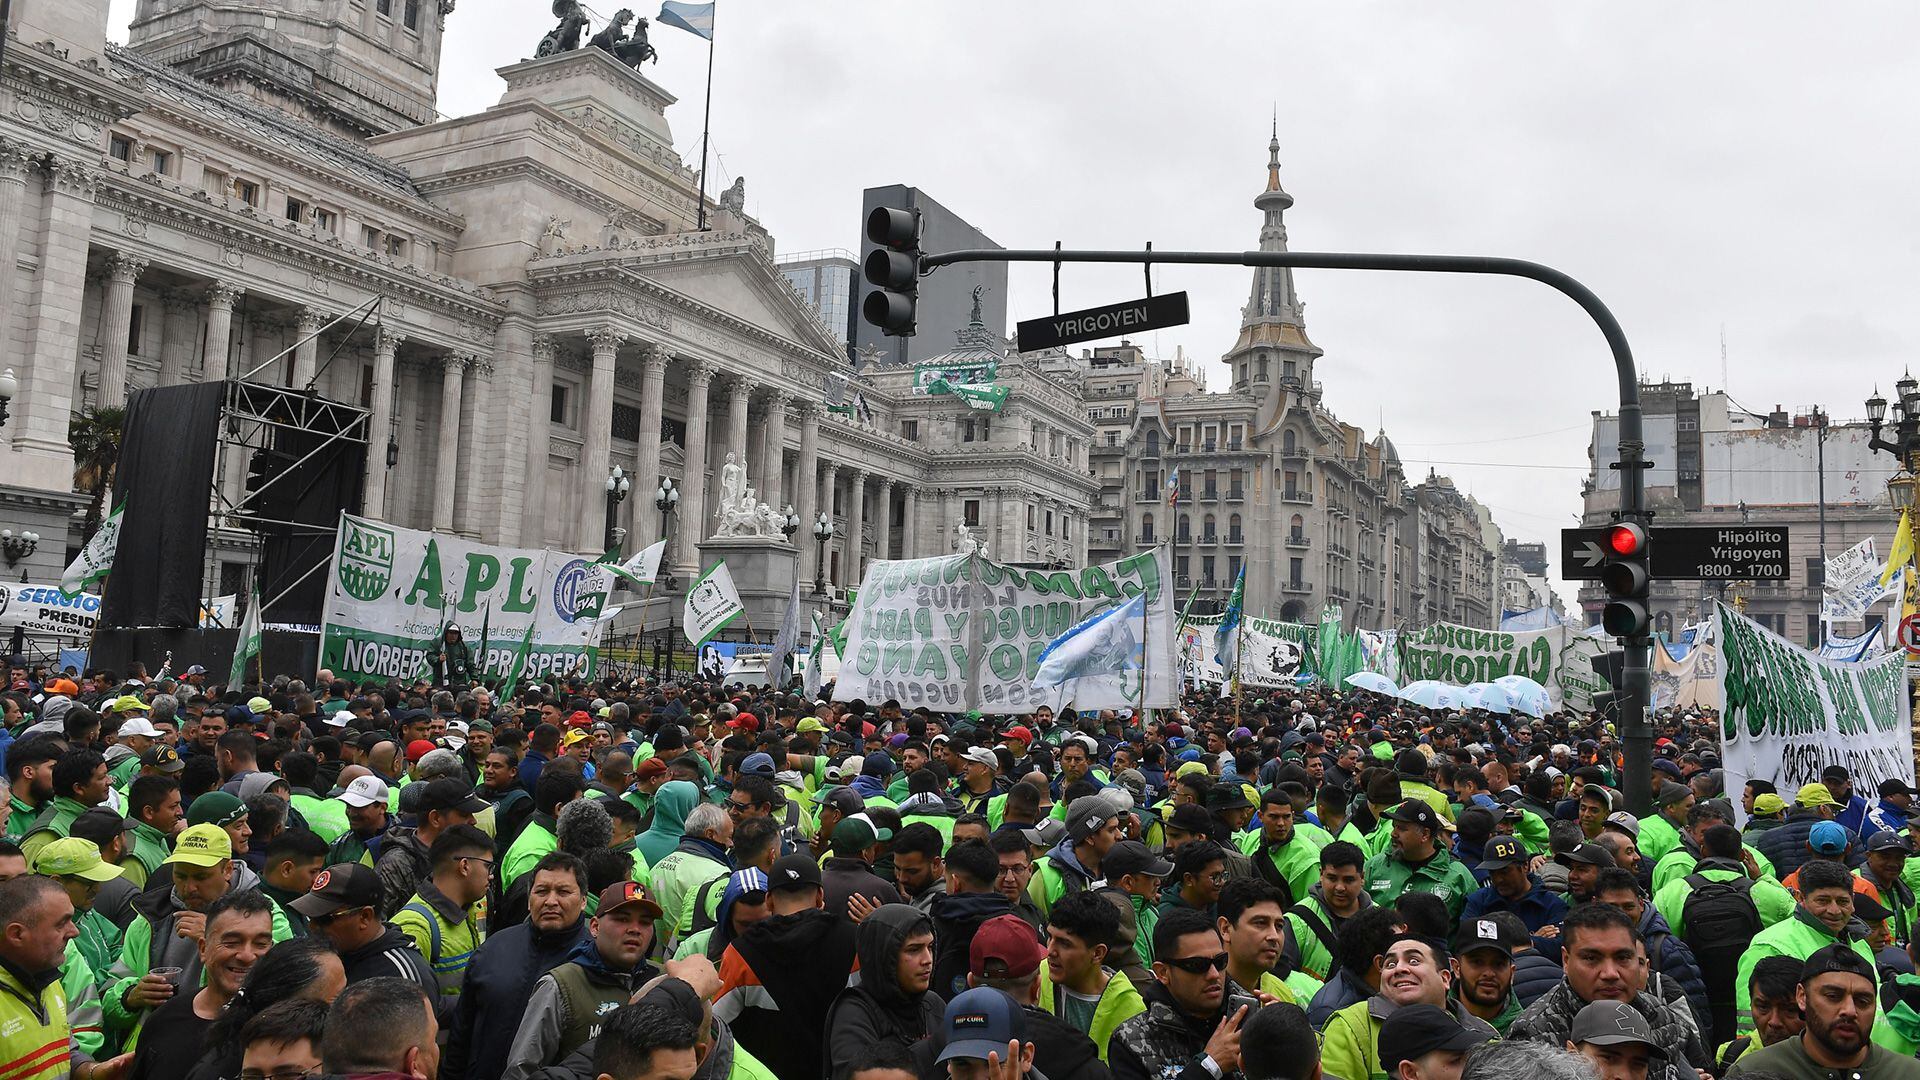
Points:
point(123, 271)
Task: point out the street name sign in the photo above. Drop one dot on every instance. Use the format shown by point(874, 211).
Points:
point(1687, 552)
point(1111, 320)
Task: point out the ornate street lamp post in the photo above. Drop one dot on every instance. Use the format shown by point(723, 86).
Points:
point(617, 486)
point(822, 532)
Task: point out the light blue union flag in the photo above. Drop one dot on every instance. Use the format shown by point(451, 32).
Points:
point(1101, 644)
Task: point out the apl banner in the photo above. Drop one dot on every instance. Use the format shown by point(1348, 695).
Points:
point(1789, 714)
point(391, 593)
point(45, 611)
point(1271, 653)
point(961, 632)
point(1556, 658)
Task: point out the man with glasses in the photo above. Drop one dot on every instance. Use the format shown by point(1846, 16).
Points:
point(1016, 871)
point(344, 907)
point(445, 917)
point(1191, 1028)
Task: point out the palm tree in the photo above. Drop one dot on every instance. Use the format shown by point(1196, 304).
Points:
point(95, 438)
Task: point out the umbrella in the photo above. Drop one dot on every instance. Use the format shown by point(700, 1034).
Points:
point(1374, 681)
point(1486, 697)
point(1525, 695)
point(1431, 694)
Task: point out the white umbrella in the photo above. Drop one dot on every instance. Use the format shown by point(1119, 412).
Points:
point(1487, 698)
point(1525, 695)
point(1431, 694)
point(1374, 681)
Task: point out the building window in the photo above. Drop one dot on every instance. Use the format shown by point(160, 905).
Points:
point(910, 430)
point(970, 512)
point(1261, 367)
point(120, 148)
point(396, 247)
point(1289, 369)
point(1180, 567)
point(1206, 568)
point(384, 7)
point(413, 15)
point(557, 413)
point(296, 210)
point(1113, 438)
point(324, 221)
point(1184, 529)
point(162, 163)
point(214, 182)
point(133, 330)
point(1030, 516)
point(1146, 528)
point(1294, 567)
point(1816, 574)
point(247, 192)
point(625, 423)
point(370, 238)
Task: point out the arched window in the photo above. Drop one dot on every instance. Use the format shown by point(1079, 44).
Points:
point(1186, 528)
point(1261, 367)
point(1153, 440)
point(1146, 528)
point(1233, 529)
point(1208, 530)
point(1288, 441)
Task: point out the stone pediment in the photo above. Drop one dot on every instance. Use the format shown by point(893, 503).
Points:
point(745, 285)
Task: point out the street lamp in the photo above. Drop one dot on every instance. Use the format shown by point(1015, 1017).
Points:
point(618, 484)
point(791, 525)
point(666, 499)
point(9, 386)
point(822, 532)
point(17, 546)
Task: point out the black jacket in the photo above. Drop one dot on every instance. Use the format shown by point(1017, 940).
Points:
point(843, 876)
point(392, 954)
point(877, 1015)
point(799, 963)
point(498, 982)
point(956, 916)
point(1162, 1043)
point(1785, 845)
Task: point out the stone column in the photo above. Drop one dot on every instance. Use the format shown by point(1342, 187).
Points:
point(944, 545)
point(446, 464)
point(883, 519)
point(996, 529)
point(806, 480)
point(829, 481)
point(116, 319)
point(221, 296)
point(596, 418)
point(50, 326)
point(305, 354)
point(16, 165)
point(178, 333)
point(909, 522)
point(773, 461)
point(693, 485)
point(379, 421)
point(642, 515)
point(856, 525)
point(533, 517)
point(738, 394)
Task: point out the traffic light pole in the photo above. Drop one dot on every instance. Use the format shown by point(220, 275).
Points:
point(1636, 732)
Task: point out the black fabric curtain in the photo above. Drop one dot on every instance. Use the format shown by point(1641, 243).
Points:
point(165, 478)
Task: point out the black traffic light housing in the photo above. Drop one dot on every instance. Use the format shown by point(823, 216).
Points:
point(893, 269)
point(1612, 669)
point(1628, 580)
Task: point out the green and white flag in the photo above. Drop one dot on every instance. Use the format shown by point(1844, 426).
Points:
point(810, 677)
point(95, 561)
point(644, 567)
point(517, 665)
point(712, 603)
point(249, 644)
point(780, 661)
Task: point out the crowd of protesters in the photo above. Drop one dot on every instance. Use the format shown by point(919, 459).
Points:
point(641, 880)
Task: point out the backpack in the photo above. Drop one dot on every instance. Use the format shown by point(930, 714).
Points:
point(1720, 919)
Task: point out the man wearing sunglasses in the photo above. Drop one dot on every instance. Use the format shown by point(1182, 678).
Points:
point(1191, 1029)
point(344, 907)
point(1413, 971)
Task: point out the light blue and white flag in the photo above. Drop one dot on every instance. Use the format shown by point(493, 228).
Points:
point(1100, 644)
point(693, 18)
point(1226, 640)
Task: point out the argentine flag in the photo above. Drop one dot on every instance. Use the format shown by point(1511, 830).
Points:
point(693, 18)
point(1105, 643)
point(1226, 639)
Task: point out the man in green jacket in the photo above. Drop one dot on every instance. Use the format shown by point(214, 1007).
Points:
point(1660, 832)
point(1417, 863)
point(1826, 907)
point(1075, 983)
point(77, 866)
point(153, 806)
point(1720, 861)
point(1337, 896)
point(1282, 854)
point(80, 782)
point(1680, 862)
point(1073, 865)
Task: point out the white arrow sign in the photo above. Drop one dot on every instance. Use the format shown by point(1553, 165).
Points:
point(1591, 554)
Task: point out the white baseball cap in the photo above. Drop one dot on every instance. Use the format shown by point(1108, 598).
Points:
point(340, 719)
point(365, 791)
point(138, 725)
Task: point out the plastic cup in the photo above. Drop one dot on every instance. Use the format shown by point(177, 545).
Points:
point(171, 974)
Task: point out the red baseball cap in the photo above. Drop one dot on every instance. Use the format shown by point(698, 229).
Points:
point(418, 749)
point(746, 721)
point(1006, 940)
point(580, 719)
point(1021, 733)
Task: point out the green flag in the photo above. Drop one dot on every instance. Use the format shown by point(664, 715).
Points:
point(248, 646)
point(519, 662)
point(95, 561)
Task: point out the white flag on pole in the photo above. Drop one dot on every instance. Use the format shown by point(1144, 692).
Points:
point(248, 646)
point(712, 603)
point(779, 662)
point(95, 561)
point(644, 567)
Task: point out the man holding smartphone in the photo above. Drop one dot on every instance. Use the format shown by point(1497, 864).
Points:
point(1191, 1029)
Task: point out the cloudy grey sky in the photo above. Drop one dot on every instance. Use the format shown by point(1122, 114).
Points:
point(1746, 165)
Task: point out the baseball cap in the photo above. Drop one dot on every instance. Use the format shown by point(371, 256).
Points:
point(1502, 852)
point(1417, 1030)
point(1814, 795)
point(1890, 786)
point(757, 764)
point(449, 794)
point(1047, 833)
point(339, 719)
point(573, 736)
point(1613, 1023)
point(980, 755)
point(419, 748)
point(1133, 857)
point(1768, 804)
point(1189, 818)
point(1590, 855)
point(71, 856)
point(1020, 733)
point(1826, 837)
point(857, 832)
point(809, 724)
point(1228, 796)
point(259, 705)
point(1888, 839)
point(979, 1022)
point(365, 791)
point(649, 769)
point(202, 845)
point(1869, 910)
point(164, 758)
point(1668, 766)
point(1836, 957)
point(1006, 940)
point(1415, 812)
point(797, 871)
point(340, 887)
point(1480, 933)
point(621, 893)
point(137, 725)
point(216, 808)
point(1086, 814)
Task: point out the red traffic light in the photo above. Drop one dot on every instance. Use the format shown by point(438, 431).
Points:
point(1627, 539)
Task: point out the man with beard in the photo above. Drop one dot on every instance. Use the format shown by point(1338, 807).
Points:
point(29, 781)
point(1837, 997)
point(1483, 973)
point(1281, 854)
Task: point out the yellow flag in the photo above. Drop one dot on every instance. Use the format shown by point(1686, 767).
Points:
point(1909, 595)
point(1902, 553)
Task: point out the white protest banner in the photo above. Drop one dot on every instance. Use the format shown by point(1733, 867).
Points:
point(962, 632)
point(1556, 658)
point(1689, 682)
point(1853, 563)
point(1851, 649)
point(218, 611)
point(45, 611)
point(391, 592)
point(1789, 714)
point(1271, 653)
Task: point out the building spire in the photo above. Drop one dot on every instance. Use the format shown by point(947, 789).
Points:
point(1273, 153)
point(1273, 299)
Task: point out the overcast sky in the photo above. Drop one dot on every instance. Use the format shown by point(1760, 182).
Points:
point(1747, 165)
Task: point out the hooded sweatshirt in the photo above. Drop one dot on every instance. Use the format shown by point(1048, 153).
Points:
point(878, 1015)
point(777, 982)
point(671, 805)
point(152, 942)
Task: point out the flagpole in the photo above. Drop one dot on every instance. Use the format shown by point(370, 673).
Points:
point(1239, 644)
point(706, 120)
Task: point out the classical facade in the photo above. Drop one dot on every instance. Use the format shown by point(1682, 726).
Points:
point(1264, 475)
point(209, 201)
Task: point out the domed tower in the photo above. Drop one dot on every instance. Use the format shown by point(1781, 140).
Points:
point(1273, 359)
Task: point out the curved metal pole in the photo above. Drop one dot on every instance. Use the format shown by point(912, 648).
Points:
point(1636, 734)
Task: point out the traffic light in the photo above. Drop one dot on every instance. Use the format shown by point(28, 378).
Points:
point(893, 269)
point(1627, 581)
point(1612, 669)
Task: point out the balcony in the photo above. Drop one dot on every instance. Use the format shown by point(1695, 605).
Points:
point(1304, 498)
point(1183, 537)
point(1340, 550)
point(1183, 582)
point(1209, 538)
point(1233, 444)
point(1146, 539)
point(1210, 494)
point(1235, 539)
point(1151, 495)
point(1208, 585)
point(1295, 587)
point(1236, 495)
point(1206, 446)
point(1338, 593)
point(1297, 540)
